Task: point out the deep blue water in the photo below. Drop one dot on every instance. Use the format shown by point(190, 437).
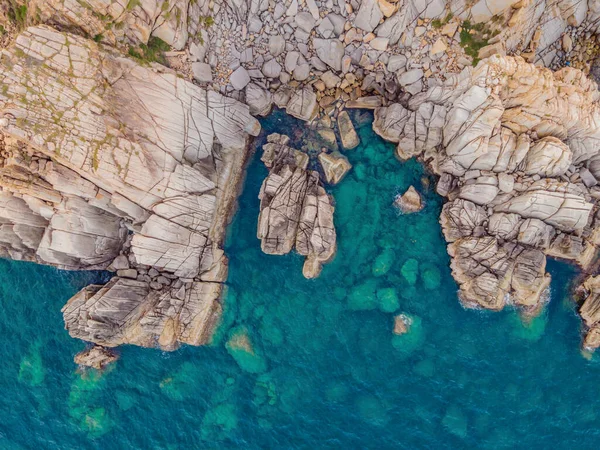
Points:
point(326, 370)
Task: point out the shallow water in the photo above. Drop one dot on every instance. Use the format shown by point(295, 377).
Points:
point(325, 370)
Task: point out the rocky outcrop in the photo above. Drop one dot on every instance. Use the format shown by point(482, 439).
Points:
point(409, 202)
point(513, 145)
point(96, 357)
point(371, 44)
point(127, 311)
point(295, 210)
point(335, 166)
point(110, 164)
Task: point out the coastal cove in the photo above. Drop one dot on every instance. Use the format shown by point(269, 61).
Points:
point(325, 369)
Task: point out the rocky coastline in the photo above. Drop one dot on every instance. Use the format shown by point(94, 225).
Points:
point(125, 131)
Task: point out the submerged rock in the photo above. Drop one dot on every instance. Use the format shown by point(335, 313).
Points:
point(431, 276)
point(408, 335)
point(372, 410)
point(245, 354)
point(383, 262)
point(83, 406)
point(219, 422)
point(364, 296)
point(388, 301)
point(455, 421)
point(410, 271)
point(529, 328)
point(31, 368)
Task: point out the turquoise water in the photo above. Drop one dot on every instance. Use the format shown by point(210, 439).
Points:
point(325, 369)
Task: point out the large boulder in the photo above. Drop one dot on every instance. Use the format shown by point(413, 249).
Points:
point(368, 15)
point(330, 51)
point(347, 132)
point(295, 210)
point(259, 100)
point(303, 104)
point(335, 166)
point(409, 202)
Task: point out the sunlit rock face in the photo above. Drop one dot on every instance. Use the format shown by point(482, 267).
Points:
point(295, 210)
point(515, 147)
point(104, 160)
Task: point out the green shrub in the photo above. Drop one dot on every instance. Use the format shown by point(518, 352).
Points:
point(132, 4)
point(151, 52)
point(473, 37)
point(437, 23)
point(17, 14)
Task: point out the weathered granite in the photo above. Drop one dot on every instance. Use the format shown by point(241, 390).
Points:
point(120, 20)
point(153, 162)
point(295, 210)
point(409, 202)
point(102, 156)
point(96, 357)
point(508, 140)
point(590, 311)
point(335, 166)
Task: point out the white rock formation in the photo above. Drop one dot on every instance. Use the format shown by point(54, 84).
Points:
point(133, 21)
point(295, 210)
point(153, 162)
point(509, 141)
point(102, 156)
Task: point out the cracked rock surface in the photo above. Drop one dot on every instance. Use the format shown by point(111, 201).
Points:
point(514, 146)
point(105, 162)
point(130, 21)
point(109, 163)
point(295, 210)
